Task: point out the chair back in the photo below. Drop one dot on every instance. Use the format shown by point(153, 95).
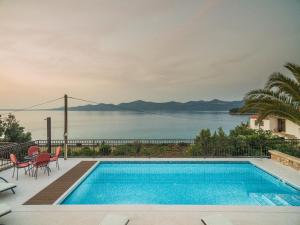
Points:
point(42, 159)
point(57, 151)
point(33, 150)
point(13, 158)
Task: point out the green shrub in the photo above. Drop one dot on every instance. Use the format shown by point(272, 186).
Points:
point(104, 149)
point(163, 148)
point(148, 152)
point(86, 151)
point(78, 144)
point(137, 147)
point(74, 153)
point(183, 144)
point(241, 141)
point(195, 150)
point(12, 130)
point(122, 150)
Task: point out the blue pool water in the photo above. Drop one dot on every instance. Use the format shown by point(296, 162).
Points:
point(184, 183)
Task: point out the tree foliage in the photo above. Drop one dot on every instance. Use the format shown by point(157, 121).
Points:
point(241, 141)
point(12, 130)
point(280, 96)
point(2, 129)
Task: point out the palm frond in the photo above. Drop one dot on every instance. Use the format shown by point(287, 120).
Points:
point(280, 97)
point(282, 111)
point(295, 69)
point(266, 94)
point(284, 85)
point(273, 106)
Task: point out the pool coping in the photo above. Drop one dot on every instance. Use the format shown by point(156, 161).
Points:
point(295, 186)
point(236, 160)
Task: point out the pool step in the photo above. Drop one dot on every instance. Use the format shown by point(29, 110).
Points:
point(276, 199)
point(267, 199)
point(293, 200)
point(261, 199)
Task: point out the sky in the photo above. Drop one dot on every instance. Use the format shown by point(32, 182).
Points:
point(156, 50)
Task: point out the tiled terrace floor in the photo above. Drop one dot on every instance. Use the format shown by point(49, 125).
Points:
point(142, 214)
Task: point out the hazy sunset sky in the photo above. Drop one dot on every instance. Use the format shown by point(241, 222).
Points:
point(158, 50)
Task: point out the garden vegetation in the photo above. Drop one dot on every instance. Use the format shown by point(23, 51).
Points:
point(240, 142)
point(12, 131)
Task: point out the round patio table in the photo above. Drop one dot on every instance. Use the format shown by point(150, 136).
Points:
point(30, 157)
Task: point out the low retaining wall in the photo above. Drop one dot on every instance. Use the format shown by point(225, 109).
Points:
point(285, 159)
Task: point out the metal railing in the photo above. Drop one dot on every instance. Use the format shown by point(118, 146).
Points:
point(239, 147)
point(158, 148)
point(226, 148)
point(20, 150)
point(91, 142)
point(75, 145)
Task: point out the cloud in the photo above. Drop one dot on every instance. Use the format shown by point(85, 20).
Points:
point(115, 51)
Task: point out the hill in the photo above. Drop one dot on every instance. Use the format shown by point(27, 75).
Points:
point(213, 105)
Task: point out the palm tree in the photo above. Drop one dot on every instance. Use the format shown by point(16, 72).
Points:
point(280, 96)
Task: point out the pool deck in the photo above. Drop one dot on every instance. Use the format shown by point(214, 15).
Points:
point(27, 187)
point(53, 191)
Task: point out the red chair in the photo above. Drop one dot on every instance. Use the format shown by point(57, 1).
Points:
point(41, 161)
point(56, 156)
point(18, 164)
point(33, 150)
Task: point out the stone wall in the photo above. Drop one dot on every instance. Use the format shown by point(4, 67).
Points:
point(285, 159)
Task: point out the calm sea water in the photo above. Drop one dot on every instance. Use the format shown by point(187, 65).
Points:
point(127, 124)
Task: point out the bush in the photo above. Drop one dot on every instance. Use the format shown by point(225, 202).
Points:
point(78, 144)
point(241, 141)
point(122, 150)
point(12, 130)
point(104, 149)
point(85, 151)
point(291, 147)
point(137, 146)
point(147, 152)
point(201, 146)
point(183, 144)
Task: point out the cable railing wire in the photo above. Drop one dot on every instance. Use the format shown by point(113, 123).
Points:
point(88, 101)
point(83, 100)
point(33, 106)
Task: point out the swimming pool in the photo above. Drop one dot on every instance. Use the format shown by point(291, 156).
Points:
point(182, 183)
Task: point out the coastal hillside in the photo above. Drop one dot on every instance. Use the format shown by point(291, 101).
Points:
point(213, 105)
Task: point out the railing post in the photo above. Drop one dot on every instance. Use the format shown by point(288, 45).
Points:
point(66, 127)
point(93, 143)
point(48, 134)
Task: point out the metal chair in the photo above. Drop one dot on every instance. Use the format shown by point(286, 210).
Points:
point(56, 156)
point(33, 150)
point(18, 165)
point(41, 161)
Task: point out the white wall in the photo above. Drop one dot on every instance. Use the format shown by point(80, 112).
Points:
point(271, 124)
point(266, 124)
point(292, 128)
point(252, 123)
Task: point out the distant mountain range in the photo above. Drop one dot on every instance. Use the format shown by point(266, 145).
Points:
point(213, 105)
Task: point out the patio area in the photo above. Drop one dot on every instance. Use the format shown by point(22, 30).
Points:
point(27, 187)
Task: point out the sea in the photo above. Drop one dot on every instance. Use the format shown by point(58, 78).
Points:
point(126, 124)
